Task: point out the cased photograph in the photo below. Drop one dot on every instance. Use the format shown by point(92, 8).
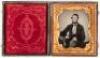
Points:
point(74, 28)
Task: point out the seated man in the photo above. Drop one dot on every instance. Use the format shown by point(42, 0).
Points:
point(73, 35)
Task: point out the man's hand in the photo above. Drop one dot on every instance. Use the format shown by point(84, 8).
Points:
point(74, 38)
point(67, 37)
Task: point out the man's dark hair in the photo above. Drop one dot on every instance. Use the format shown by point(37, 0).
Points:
point(75, 15)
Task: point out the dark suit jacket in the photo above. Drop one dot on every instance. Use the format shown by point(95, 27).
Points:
point(80, 34)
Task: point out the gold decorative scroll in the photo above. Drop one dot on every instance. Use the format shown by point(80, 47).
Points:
point(91, 10)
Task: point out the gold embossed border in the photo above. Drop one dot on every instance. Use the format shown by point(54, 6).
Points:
point(91, 10)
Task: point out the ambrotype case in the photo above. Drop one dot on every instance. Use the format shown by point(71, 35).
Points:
point(67, 41)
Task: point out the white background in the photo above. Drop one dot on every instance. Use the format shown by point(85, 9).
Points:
point(1, 35)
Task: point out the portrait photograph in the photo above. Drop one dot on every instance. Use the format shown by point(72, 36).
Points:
point(74, 28)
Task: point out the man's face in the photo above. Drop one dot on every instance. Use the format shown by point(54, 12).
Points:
point(74, 18)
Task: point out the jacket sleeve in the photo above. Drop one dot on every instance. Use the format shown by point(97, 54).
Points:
point(82, 34)
point(63, 33)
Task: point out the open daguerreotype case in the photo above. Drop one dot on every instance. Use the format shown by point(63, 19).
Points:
point(50, 28)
